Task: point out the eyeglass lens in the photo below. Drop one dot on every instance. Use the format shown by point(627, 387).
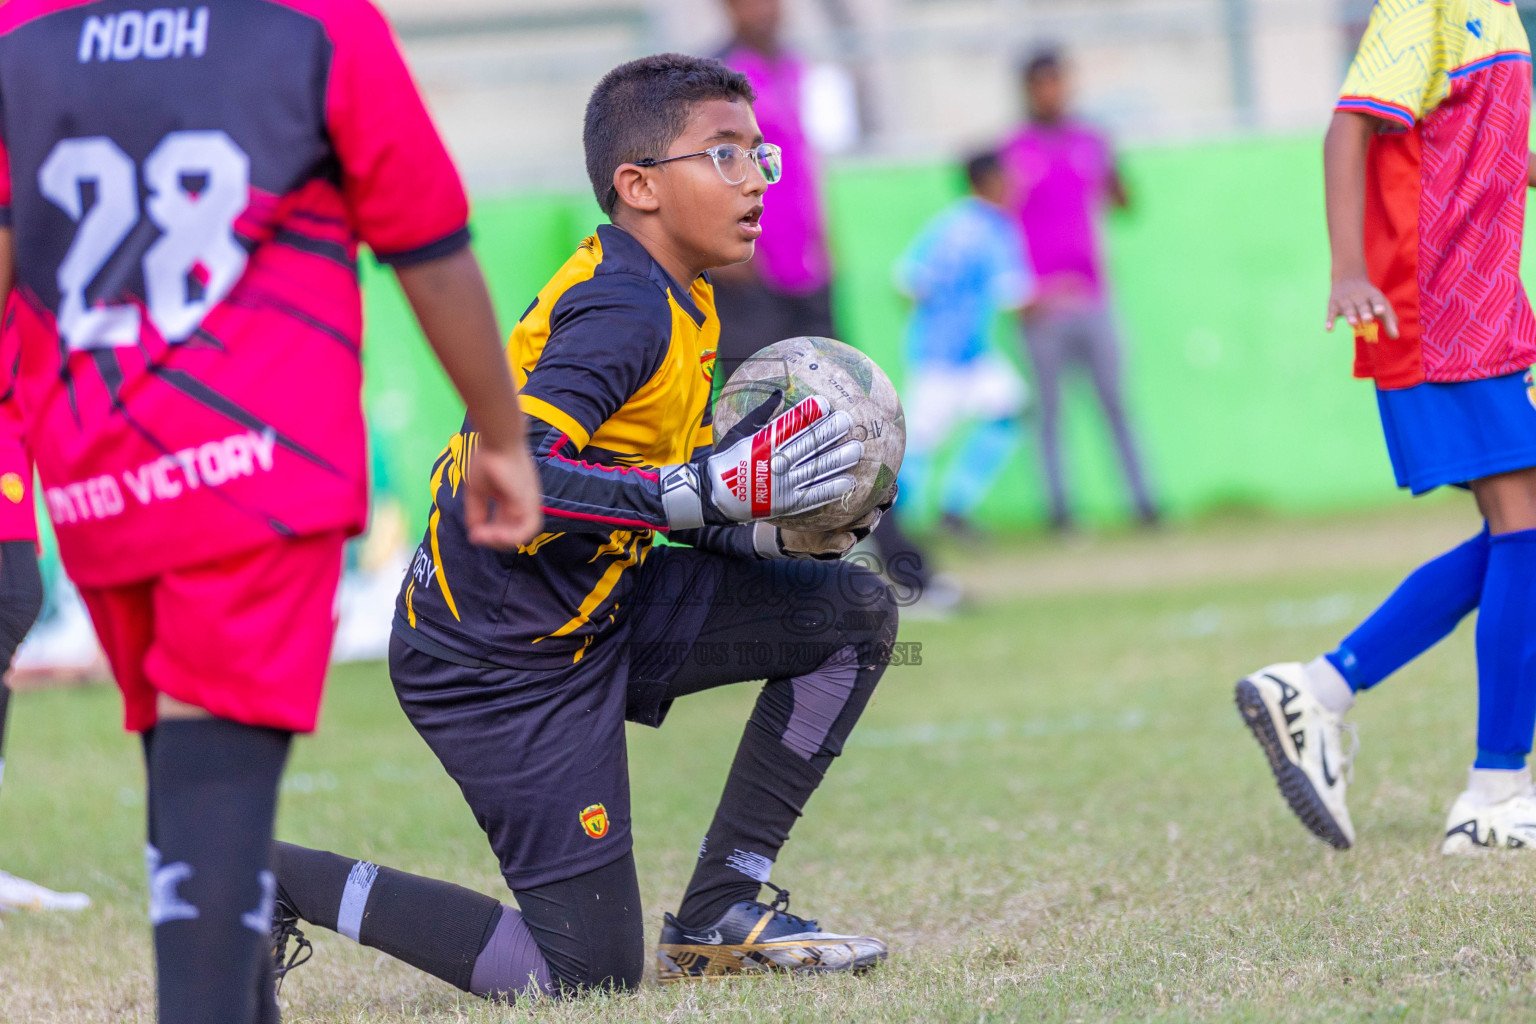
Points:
point(731, 160)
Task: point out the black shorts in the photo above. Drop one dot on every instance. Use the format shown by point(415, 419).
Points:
point(539, 754)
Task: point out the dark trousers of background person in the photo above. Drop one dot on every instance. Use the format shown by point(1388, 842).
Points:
point(753, 315)
point(1089, 339)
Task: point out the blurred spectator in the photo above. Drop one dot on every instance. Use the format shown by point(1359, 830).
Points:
point(786, 289)
point(1064, 174)
point(965, 267)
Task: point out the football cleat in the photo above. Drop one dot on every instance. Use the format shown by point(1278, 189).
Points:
point(758, 937)
point(1477, 823)
point(285, 927)
point(1304, 744)
point(20, 894)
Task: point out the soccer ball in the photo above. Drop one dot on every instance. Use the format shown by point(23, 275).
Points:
point(850, 380)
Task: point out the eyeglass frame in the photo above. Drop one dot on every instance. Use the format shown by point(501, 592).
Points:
point(752, 155)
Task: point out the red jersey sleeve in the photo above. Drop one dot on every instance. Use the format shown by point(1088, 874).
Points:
point(406, 200)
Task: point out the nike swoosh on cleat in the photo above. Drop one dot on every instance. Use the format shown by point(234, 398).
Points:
point(1322, 756)
point(714, 938)
point(1468, 828)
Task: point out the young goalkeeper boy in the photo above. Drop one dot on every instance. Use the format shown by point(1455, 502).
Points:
point(1426, 166)
point(520, 670)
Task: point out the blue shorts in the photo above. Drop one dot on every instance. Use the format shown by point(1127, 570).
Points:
point(1440, 434)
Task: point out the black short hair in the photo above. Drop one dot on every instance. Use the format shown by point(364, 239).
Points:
point(640, 108)
point(979, 166)
point(1044, 59)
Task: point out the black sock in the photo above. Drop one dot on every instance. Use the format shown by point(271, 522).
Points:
point(21, 596)
point(267, 1011)
point(764, 795)
point(437, 927)
point(21, 599)
point(797, 728)
point(213, 798)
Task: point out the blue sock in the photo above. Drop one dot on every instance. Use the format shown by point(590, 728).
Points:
point(983, 457)
point(1421, 612)
point(1506, 653)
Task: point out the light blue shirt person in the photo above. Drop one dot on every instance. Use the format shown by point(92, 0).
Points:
point(966, 266)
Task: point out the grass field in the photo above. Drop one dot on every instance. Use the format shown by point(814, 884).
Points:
point(1057, 816)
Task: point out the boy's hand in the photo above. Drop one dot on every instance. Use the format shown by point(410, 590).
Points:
point(501, 497)
point(1360, 302)
point(824, 546)
point(796, 462)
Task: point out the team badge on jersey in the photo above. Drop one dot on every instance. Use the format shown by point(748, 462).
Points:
point(13, 488)
point(1530, 388)
point(707, 364)
point(594, 821)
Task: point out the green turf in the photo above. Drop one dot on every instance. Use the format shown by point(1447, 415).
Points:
point(1057, 816)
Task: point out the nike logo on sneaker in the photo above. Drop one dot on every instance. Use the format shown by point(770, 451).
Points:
point(1322, 752)
point(714, 938)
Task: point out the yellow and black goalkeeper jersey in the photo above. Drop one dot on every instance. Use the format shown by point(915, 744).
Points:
point(615, 362)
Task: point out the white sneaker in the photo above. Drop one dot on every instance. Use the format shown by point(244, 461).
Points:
point(20, 894)
point(939, 601)
point(1485, 819)
point(1304, 743)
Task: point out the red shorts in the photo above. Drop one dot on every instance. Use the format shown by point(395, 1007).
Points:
point(246, 638)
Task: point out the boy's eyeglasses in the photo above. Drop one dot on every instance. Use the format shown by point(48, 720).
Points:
point(732, 160)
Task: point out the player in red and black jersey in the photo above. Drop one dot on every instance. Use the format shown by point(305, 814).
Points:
point(182, 195)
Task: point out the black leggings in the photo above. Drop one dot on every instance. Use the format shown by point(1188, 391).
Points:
point(21, 596)
point(819, 633)
point(590, 928)
point(776, 620)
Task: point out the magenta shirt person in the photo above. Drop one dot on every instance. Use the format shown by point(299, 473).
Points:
point(792, 253)
point(1064, 175)
point(785, 290)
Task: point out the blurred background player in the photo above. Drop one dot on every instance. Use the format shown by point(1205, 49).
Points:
point(967, 266)
point(1063, 175)
point(186, 193)
point(785, 290)
point(1427, 153)
point(21, 598)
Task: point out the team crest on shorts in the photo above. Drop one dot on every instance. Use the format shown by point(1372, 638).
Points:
point(594, 821)
point(13, 488)
point(1530, 388)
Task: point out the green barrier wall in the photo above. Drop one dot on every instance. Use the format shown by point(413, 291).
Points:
point(1221, 272)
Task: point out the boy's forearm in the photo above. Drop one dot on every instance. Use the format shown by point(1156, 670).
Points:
point(1344, 153)
point(450, 300)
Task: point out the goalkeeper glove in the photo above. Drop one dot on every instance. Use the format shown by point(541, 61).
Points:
point(795, 462)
